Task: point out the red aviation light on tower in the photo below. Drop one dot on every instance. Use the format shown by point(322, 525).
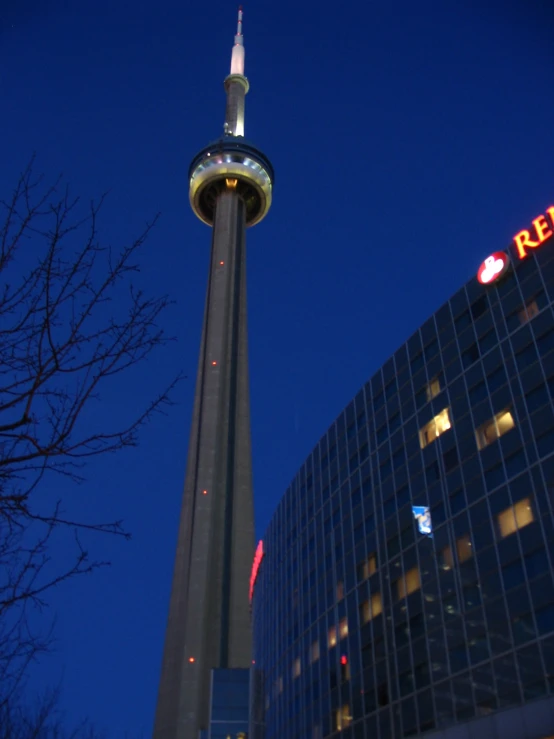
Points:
point(258, 556)
point(493, 267)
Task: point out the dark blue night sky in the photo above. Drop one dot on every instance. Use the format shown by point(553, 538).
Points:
point(409, 140)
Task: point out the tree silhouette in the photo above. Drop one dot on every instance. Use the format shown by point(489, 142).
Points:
point(71, 319)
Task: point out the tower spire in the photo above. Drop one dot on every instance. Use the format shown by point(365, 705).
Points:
point(237, 56)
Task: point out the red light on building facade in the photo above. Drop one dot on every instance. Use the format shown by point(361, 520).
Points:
point(541, 231)
point(258, 556)
point(191, 659)
point(493, 267)
point(344, 660)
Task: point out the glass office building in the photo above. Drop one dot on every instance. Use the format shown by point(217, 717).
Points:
point(406, 586)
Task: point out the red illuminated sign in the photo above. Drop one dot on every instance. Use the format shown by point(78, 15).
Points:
point(258, 556)
point(493, 267)
point(541, 231)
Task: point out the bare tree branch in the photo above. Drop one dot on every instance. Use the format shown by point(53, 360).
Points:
point(71, 320)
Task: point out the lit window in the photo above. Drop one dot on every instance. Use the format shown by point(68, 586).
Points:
point(437, 426)
point(464, 548)
point(332, 637)
point(515, 517)
point(343, 717)
point(368, 567)
point(447, 558)
point(340, 590)
point(343, 627)
point(493, 429)
point(314, 652)
point(409, 583)
point(433, 388)
point(529, 311)
point(296, 667)
point(371, 608)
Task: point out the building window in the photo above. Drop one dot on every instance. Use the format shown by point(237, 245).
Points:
point(296, 668)
point(433, 388)
point(529, 311)
point(340, 590)
point(368, 567)
point(464, 548)
point(344, 668)
point(332, 637)
point(494, 429)
point(343, 627)
point(408, 583)
point(314, 652)
point(464, 551)
point(343, 717)
point(437, 426)
point(371, 608)
point(515, 517)
point(280, 684)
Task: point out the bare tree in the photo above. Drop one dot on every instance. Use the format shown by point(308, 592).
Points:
point(71, 319)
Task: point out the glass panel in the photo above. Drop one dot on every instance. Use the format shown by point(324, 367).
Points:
point(433, 388)
point(523, 513)
point(514, 517)
point(437, 426)
point(493, 429)
point(409, 583)
point(464, 548)
point(314, 652)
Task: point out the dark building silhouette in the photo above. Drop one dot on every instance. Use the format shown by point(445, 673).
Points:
point(209, 619)
point(406, 587)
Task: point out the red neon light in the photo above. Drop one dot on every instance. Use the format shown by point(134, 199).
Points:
point(493, 267)
point(258, 556)
point(541, 231)
point(344, 660)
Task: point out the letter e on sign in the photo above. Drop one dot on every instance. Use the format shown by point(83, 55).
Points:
point(493, 267)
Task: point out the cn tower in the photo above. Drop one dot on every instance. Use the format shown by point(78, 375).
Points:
point(230, 186)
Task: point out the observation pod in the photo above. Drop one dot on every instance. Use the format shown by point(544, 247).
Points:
point(230, 163)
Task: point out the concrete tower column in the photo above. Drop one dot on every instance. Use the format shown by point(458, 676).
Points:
point(209, 614)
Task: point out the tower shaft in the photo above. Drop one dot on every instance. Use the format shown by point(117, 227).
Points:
point(209, 619)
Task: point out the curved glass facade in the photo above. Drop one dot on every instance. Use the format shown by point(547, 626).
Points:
point(375, 620)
